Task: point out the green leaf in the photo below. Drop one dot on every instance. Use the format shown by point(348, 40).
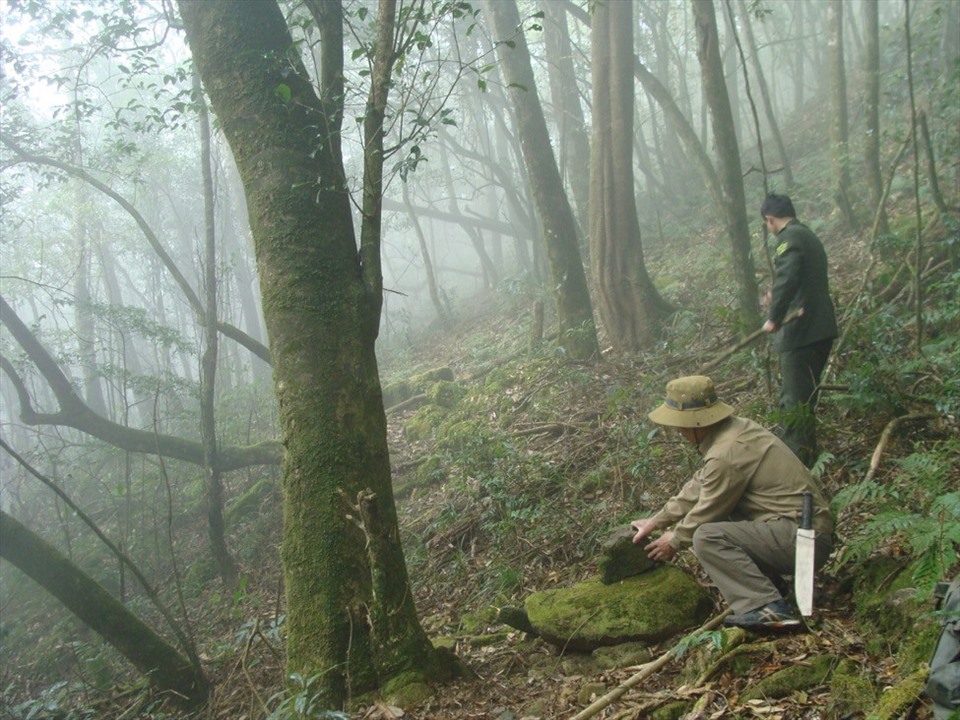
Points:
point(283, 92)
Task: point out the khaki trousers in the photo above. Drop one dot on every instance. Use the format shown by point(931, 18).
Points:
point(745, 558)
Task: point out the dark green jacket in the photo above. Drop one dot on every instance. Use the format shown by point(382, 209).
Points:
point(801, 282)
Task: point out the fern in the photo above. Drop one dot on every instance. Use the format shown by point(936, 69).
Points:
point(916, 507)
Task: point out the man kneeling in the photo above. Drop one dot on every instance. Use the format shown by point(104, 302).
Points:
point(740, 511)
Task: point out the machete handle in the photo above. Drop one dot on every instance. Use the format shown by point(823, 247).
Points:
point(806, 520)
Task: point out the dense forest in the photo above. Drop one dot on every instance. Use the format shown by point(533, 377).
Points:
point(329, 330)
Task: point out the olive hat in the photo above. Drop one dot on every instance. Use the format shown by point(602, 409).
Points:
point(691, 402)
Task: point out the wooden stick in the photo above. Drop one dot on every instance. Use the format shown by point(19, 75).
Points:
point(887, 434)
point(791, 316)
point(646, 671)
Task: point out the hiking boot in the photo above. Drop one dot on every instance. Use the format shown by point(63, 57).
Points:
point(773, 616)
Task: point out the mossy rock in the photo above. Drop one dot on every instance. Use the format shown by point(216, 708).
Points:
point(648, 608)
point(425, 379)
point(458, 435)
point(473, 622)
point(398, 391)
point(445, 393)
point(497, 381)
point(791, 679)
point(422, 424)
point(852, 692)
point(430, 471)
point(407, 690)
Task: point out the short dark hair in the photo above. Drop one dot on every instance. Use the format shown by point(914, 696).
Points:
point(778, 206)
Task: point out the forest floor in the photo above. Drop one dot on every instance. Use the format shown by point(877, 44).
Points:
point(572, 459)
point(463, 566)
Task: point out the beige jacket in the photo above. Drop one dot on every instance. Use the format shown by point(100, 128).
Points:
point(747, 474)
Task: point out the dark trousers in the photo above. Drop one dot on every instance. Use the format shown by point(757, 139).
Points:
point(800, 372)
point(747, 558)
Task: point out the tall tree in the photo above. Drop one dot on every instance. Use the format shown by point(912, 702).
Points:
point(578, 336)
point(573, 138)
point(226, 566)
point(871, 140)
point(629, 304)
point(839, 122)
point(351, 615)
point(765, 92)
point(728, 157)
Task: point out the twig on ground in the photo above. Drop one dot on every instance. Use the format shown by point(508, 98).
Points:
point(887, 434)
point(646, 671)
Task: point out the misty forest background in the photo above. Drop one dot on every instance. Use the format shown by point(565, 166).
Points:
point(330, 327)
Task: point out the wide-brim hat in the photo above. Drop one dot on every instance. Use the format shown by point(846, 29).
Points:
point(691, 402)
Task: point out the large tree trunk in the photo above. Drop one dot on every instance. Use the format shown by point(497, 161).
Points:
point(578, 336)
point(351, 616)
point(728, 155)
point(628, 302)
point(164, 667)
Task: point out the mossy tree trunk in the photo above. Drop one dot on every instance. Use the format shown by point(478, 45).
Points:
point(578, 334)
point(160, 662)
point(350, 614)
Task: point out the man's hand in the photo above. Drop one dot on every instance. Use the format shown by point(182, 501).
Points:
point(770, 326)
point(661, 549)
point(644, 527)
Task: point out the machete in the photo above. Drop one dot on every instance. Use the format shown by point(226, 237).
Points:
point(803, 567)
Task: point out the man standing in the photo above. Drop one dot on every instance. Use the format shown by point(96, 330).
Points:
point(800, 284)
point(740, 511)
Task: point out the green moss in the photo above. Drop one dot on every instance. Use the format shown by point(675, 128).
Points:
point(472, 622)
point(487, 639)
point(396, 392)
point(431, 470)
point(917, 647)
point(447, 642)
point(793, 678)
point(899, 697)
point(399, 390)
point(445, 394)
point(425, 379)
point(851, 692)
point(650, 607)
point(407, 690)
point(458, 435)
point(497, 381)
point(421, 425)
